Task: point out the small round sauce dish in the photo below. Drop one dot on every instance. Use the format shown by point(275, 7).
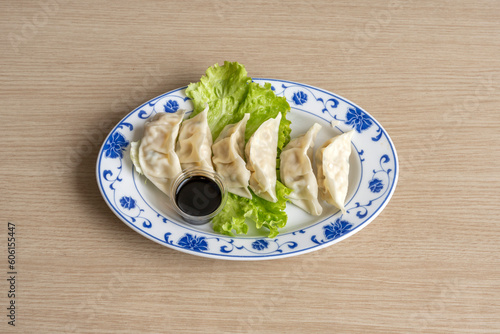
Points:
point(198, 194)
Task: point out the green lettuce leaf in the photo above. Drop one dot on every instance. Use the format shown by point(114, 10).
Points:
point(223, 88)
point(230, 93)
point(262, 104)
point(268, 214)
point(231, 220)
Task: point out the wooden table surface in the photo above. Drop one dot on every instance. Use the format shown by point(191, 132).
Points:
point(429, 71)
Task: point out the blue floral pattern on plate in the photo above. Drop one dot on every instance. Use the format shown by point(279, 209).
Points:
point(171, 106)
point(299, 98)
point(127, 202)
point(260, 244)
point(359, 120)
point(376, 185)
point(337, 229)
point(130, 196)
point(115, 145)
point(192, 242)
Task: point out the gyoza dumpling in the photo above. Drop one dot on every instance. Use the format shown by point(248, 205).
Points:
point(194, 146)
point(261, 151)
point(228, 158)
point(332, 161)
point(154, 154)
point(297, 172)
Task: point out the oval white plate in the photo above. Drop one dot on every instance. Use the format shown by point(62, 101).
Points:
point(373, 177)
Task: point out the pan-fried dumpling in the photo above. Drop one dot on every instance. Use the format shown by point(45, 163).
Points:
point(261, 151)
point(228, 158)
point(332, 161)
point(154, 155)
point(194, 146)
point(297, 172)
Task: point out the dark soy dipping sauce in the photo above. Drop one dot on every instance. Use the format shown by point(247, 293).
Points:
point(198, 196)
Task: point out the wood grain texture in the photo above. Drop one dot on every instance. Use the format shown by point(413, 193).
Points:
point(429, 71)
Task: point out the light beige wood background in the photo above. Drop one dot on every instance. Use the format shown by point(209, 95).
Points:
point(429, 71)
